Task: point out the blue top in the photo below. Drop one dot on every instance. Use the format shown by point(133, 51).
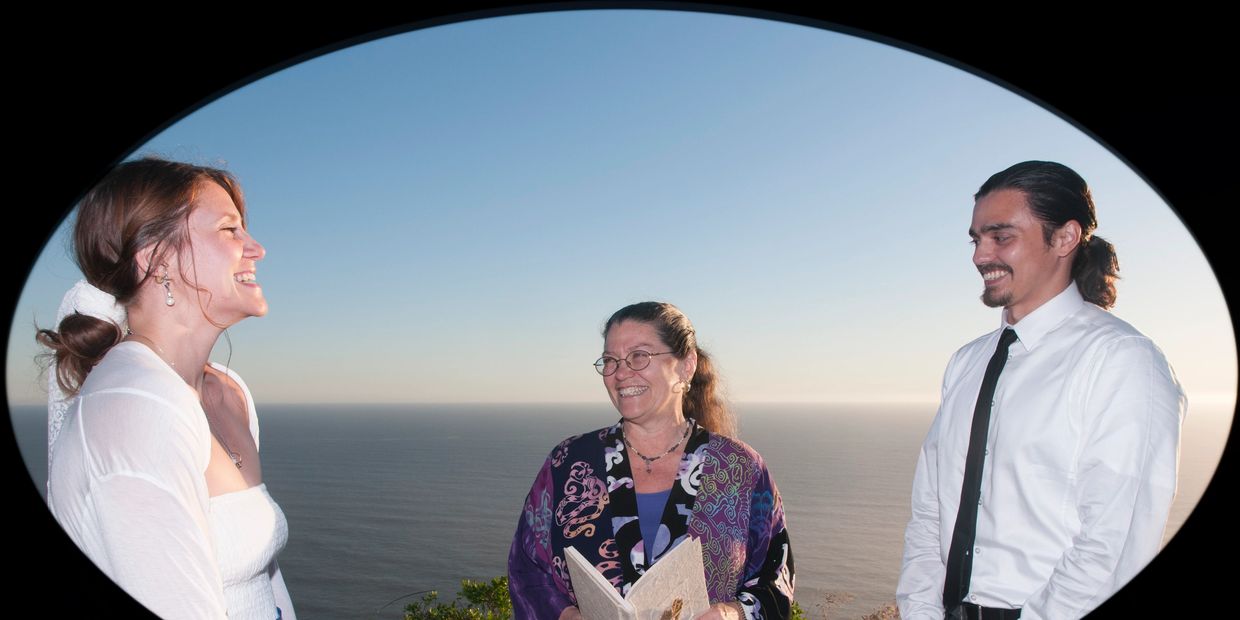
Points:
point(649, 514)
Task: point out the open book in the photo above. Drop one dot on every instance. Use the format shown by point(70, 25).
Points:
point(673, 589)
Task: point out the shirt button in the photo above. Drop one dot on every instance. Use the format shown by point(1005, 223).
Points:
point(986, 451)
point(979, 501)
point(977, 550)
point(972, 597)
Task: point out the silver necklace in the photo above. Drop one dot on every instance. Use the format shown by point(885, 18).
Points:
point(236, 458)
point(232, 454)
point(162, 355)
point(651, 459)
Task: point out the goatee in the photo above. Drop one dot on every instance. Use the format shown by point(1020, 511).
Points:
point(996, 299)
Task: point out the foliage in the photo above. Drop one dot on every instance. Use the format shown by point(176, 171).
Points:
point(797, 612)
point(489, 601)
point(485, 601)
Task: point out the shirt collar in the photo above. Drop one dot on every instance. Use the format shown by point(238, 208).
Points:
point(1045, 317)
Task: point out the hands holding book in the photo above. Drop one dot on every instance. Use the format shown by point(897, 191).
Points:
point(718, 611)
point(722, 611)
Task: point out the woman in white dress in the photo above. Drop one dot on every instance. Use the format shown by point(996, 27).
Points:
point(153, 452)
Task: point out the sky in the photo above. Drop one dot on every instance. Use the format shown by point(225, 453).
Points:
point(450, 214)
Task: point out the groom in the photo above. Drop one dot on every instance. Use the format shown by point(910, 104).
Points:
point(1045, 481)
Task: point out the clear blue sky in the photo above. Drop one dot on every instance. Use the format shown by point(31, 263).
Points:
point(451, 213)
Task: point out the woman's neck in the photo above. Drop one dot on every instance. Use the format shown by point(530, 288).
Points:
point(183, 345)
point(658, 431)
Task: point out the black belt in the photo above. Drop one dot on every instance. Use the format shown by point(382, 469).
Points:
point(977, 612)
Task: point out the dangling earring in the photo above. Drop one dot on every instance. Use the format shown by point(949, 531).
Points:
point(167, 282)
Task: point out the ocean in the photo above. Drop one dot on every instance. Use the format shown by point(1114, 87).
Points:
point(387, 500)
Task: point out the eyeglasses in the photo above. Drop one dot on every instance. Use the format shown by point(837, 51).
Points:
point(637, 360)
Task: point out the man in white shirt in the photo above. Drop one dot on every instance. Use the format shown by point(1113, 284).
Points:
point(1072, 470)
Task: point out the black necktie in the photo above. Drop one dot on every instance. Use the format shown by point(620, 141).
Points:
point(960, 556)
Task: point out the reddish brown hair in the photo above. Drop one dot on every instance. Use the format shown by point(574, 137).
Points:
point(703, 402)
point(139, 204)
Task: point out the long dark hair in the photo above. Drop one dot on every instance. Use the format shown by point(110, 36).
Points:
point(1056, 195)
point(139, 204)
point(703, 401)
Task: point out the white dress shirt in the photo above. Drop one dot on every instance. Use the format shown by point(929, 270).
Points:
point(1080, 466)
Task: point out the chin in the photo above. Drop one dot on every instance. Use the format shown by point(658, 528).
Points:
point(630, 412)
point(627, 412)
point(996, 300)
point(258, 307)
point(246, 313)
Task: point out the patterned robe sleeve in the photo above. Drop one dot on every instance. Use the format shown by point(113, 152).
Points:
point(536, 591)
point(766, 591)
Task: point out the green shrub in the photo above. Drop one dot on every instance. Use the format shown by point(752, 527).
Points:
point(484, 601)
point(797, 612)
point(487, 601)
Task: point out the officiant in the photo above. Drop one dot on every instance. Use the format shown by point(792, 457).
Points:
point(671, 468)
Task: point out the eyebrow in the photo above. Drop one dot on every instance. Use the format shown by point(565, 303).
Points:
point(991, 228)
point(639, 346)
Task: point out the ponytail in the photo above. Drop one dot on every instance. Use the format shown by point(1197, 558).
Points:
point(1095, 270)
point(77, 346)
point(703, 402)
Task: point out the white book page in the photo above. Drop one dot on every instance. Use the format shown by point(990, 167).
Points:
point(597, 599)
point(674, 588)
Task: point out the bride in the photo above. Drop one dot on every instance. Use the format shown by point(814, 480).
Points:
point(153, 452)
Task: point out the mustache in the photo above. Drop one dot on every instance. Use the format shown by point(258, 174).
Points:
point(993, 267)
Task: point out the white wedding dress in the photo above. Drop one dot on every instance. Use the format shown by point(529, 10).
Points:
point(126, 482)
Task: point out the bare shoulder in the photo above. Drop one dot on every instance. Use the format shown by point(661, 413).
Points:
point(223, 395)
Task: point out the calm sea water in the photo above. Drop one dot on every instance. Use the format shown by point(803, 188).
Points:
point(384, 501)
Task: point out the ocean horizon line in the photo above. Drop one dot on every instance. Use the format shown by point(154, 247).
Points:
point(534, 403)
point(1207, 398)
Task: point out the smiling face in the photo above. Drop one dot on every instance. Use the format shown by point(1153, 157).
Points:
point(223, 259)
point(1020, 270)
point(646, 395)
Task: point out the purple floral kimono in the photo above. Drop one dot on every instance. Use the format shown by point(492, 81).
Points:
point(584, 497)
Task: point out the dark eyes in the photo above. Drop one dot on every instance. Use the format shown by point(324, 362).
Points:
point(999, 239)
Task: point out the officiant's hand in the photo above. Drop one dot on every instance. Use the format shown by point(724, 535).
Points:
point(720, 611)
point(570, 613)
